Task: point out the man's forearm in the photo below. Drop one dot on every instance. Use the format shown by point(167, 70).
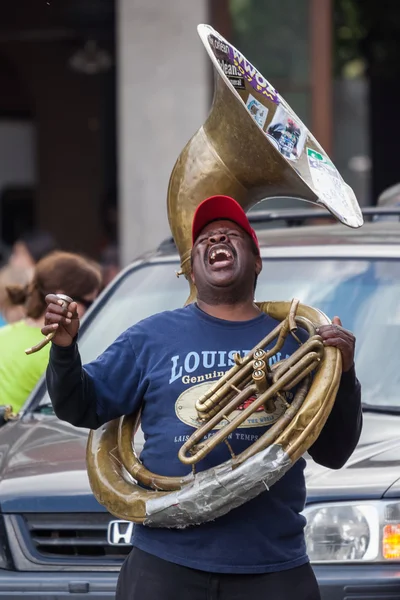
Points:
point(71, 390)
point(342, 430)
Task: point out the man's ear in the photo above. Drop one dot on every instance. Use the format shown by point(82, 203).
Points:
point(258, 265)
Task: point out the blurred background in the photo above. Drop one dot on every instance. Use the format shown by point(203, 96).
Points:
point(98, 98)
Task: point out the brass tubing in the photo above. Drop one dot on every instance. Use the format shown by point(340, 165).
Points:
point(207, 401)
point(260, 380)
point(125, 500)
point(224, 401)
point(220, 399)
point(217, 397)
point(270, 436)
point(199, 434)
point(234, 374)
point(126, 430)
point(314, 344)
point(311, 367)
point(292, 314)
point(307, 325)
point(223, 433)
point(305, 427)
point(308, 364)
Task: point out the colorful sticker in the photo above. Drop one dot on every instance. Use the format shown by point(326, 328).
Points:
point(287, 133)
point(225, 53)
point(232, 74)
point(327, 180)
point(257, 110)
point(220, 47)
point(237, 82)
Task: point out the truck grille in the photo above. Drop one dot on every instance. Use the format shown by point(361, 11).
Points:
point(68, 539)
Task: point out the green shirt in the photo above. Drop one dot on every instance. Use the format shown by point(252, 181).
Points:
point(19, 373)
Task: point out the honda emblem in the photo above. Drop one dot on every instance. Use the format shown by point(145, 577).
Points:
point(119, 533)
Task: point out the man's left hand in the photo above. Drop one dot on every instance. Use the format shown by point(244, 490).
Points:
point(338, 336)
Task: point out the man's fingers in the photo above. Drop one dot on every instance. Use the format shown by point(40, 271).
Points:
point(338, 342)
point(49, 328)
point(73, 309)
point(58, 310)
point(337, 336)
point(55, 318)
point(55, 304)
point(55, 314)
point(332, 330)
point(52, 299)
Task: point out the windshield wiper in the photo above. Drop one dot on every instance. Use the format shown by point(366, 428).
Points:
point(381, 408)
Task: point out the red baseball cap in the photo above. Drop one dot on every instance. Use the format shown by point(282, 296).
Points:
point(217, 208)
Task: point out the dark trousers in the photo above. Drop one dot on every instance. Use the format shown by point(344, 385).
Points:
point(146, 577)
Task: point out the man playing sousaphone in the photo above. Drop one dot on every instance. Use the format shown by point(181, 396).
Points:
point(258, 549)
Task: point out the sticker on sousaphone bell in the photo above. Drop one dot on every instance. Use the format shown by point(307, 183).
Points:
point(283, 129)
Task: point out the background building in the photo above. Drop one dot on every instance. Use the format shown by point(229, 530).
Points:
point(100, 96)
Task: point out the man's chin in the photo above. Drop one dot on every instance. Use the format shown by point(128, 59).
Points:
point(222, 280)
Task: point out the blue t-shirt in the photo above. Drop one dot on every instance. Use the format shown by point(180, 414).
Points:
point(165, 363)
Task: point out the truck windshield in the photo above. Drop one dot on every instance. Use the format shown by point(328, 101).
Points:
point(363, 293)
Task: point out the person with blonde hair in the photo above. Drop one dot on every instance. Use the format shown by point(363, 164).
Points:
point(58, 272)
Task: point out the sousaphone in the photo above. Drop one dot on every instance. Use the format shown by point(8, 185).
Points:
point(252, 147)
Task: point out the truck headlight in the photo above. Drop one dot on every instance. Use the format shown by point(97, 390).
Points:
point(353, 532)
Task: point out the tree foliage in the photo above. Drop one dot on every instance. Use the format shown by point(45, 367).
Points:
point(273, 36)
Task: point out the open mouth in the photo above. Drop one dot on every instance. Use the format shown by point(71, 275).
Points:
point(220, 256)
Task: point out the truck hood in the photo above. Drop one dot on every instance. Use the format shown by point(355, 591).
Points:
point(43, 466)
point(371, 471)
